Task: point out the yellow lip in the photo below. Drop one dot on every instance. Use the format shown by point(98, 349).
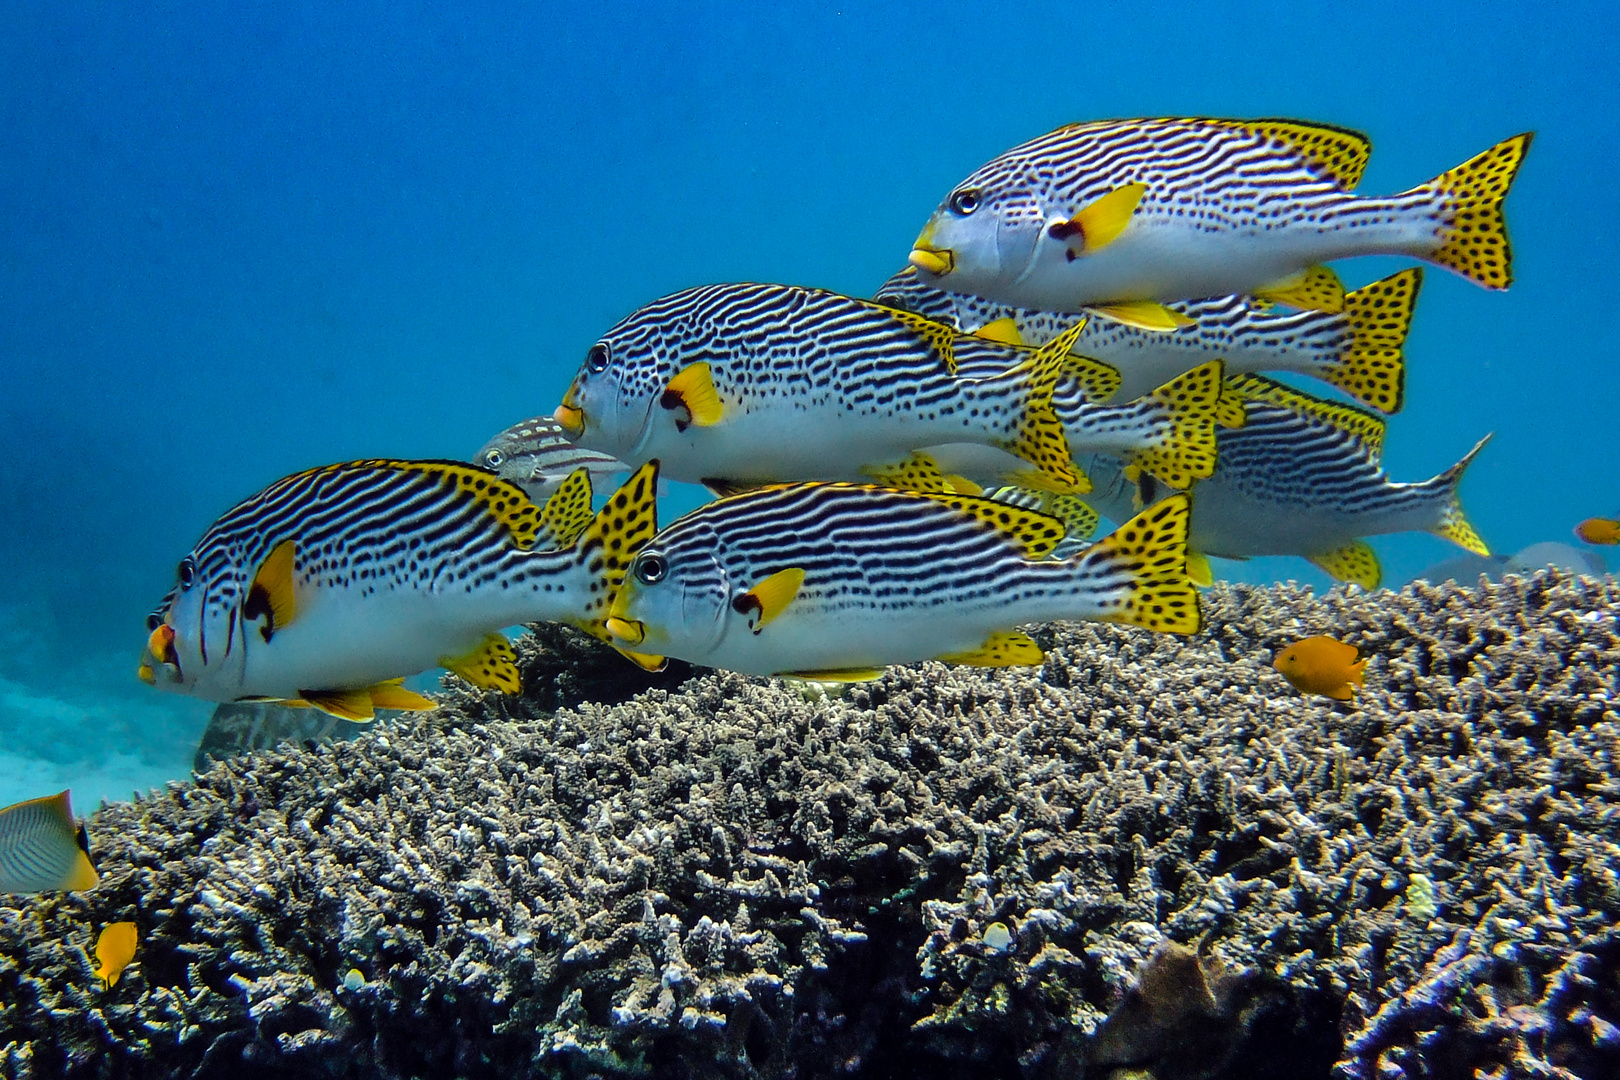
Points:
point(161, 643)
point(631, 630)
point(145, 674)
point(938, 263)
point(572, 419)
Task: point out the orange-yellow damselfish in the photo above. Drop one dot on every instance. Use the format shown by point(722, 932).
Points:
point(1321, 665)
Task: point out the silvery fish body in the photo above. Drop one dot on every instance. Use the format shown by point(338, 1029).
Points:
point(1358, 350)
point(1175, 209)
point(537, 456)
point(837, 581)
point(348, 576)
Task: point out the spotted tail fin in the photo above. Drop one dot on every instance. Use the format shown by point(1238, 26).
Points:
point(1040, 439)
point(1183, 451)
point(619, 530)
point(1141, 568)
point(1371, 366)
point(1454, 526)
point(1474, 241)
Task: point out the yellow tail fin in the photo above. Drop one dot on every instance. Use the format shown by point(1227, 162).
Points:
point(1454, 525)
point(619, 530)
point(1185, 452)
point(1040, 439)
point(1372, 365)
point(1475, 240)
point(1150, 553)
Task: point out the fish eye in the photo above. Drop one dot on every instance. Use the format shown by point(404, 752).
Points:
point(493, 459)
point(153, 621)
point(964, 202)
point(187, 572)
point(650, 568)
point(596, 361)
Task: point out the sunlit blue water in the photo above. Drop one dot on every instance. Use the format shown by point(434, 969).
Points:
point(241, 240)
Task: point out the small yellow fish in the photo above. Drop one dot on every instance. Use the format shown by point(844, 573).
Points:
point(1321, 665)
point(1599, 531)
point(115, 948)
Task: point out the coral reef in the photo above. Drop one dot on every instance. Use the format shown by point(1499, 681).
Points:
point(1150, 858)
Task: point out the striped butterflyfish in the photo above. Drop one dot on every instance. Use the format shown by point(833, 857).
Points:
point(836, 581)
point(537, 456)
point(1132, 212)
point(43, 849)
point(1302, 476)
point(330, 586)
point(1358, 350)
point(750, 384)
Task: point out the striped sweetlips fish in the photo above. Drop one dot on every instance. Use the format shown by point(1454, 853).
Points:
point(1122, 211)
point(330, 586)
point(537, 456)
point(1302, 476)
point(836, 581)
point(1358, 350)
point(735, 385)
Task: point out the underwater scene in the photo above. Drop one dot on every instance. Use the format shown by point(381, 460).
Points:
point(785, 541)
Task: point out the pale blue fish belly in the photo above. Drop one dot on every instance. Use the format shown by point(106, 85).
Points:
point(750, 383)
point(1358, 350)
point(1191, 208)
point(537, 456)
point(888, 577)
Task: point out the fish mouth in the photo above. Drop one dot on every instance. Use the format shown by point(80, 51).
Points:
point(633, 631)
point(936, 261)
point(572, 419)
point(159, 650)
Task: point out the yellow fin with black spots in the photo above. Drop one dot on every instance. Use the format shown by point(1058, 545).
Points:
point(502, 500)
point(692, 389)
point(1183, 451)
point(490, 665)
point(271, 595)
point(1372, 365)
point(1229, 411)
point(940, 337)
point(1035, 533)
point(1199, 571)
point(1143, 315)
point(1004, 648)
point(1366, 427)
point(566, 513)
point(1355, 562)
point(1475, 240)
point(1316, 288)
point(1040, 439)
point(352, 705)
point(1079, 519)
point(619, 530)
point(1100, 223)
point(1098, 381)
point(1004, 330)
point(1337, 154)
point(393, 695)
point(1140, 570)
point(769, 597)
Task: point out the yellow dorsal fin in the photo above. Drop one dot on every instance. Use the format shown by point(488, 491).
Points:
point(566, 513)
point(1474, 242)
point(271, 594)
point(1316, 288)
point(836, 675)
point(1100, 223)
point(1078, 518)
point(393, 695)
point(692, 389)
point(1139, 571)
point(644, 661)
point(1338, 154)
point(941, 337)
point(1098, 381)
point(1184, 451)
point(1004, 648)
point(1372, 364)
point(490, 665)
point(1229, 412)
point(919, 472)
point(354, 705)
point(1199, 571)
point(618, 531)
point(1040, 439)
point(1355, 562)
point(1034, 532)
point(1366, 427)
point(769, 597)
point(1005, 330)
point(1144, 315)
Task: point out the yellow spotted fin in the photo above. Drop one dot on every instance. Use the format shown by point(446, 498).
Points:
point(1004, 330)
point(692, 389)
point(566, 513)
point(1005, 648)
point(619, 530)
point(1367, 428)
point(1099, 224)
point(1475, 242)
point(1079, 519)
point(1454, 525)
point(1150, 552)
point(1035, 533)
point(769, 597)
point(1372, 365)
point(491, 665)
point(1336, 154)
point(1184, 450)
point(1316, 288)
point(940, 337)
point(115, 948)
point(1144, 315)
point(42, 849)
point(1229, 411)
point(1098, 381)
point(271, 595)
point(1040, 439)
point(1355, 562)
point(920, 472)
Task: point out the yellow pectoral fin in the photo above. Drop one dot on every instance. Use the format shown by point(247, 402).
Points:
point(1316, 288)
point(1198, 569)
point(353, 705)
point(393, 695)
point(271, 594)
point(1002, 649)
point(768, 599)
point(836, 675)
point(491, 665)
point(1004, 330)
point(693, 389)
point(1101, 223)
point(644, 661)
point(1144, 315)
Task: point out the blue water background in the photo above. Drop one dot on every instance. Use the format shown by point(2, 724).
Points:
point(239, 240)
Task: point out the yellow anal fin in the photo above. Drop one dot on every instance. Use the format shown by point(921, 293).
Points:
point(354, 705)
point(1040, 439)
point(692, 389)
point(1366, 427)
point(1005, 330)
point(1454, 525)
point(271, 595)
point(1316, 288)
point(1098, 381)
point(1355, 562)
point(1035, 533)
point(644, 661)
point(1147, 558)
point(618, 531)
point(1475, 242)
point(393, 695)
point(566, 513)
point(769, 597)
point(1005, 648)
point(490, 665)
point(1199, 571)
point(1100, 223)
point(1184, 451)
point(1372, 364)
point(836, 675)
point(1144, 315)
point(919, 472)
point(1337, 154)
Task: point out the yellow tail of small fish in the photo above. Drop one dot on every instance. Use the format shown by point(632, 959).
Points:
point(1149, 552)
point(1372, 364)
point(1185, 450)
point(1475, 241)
